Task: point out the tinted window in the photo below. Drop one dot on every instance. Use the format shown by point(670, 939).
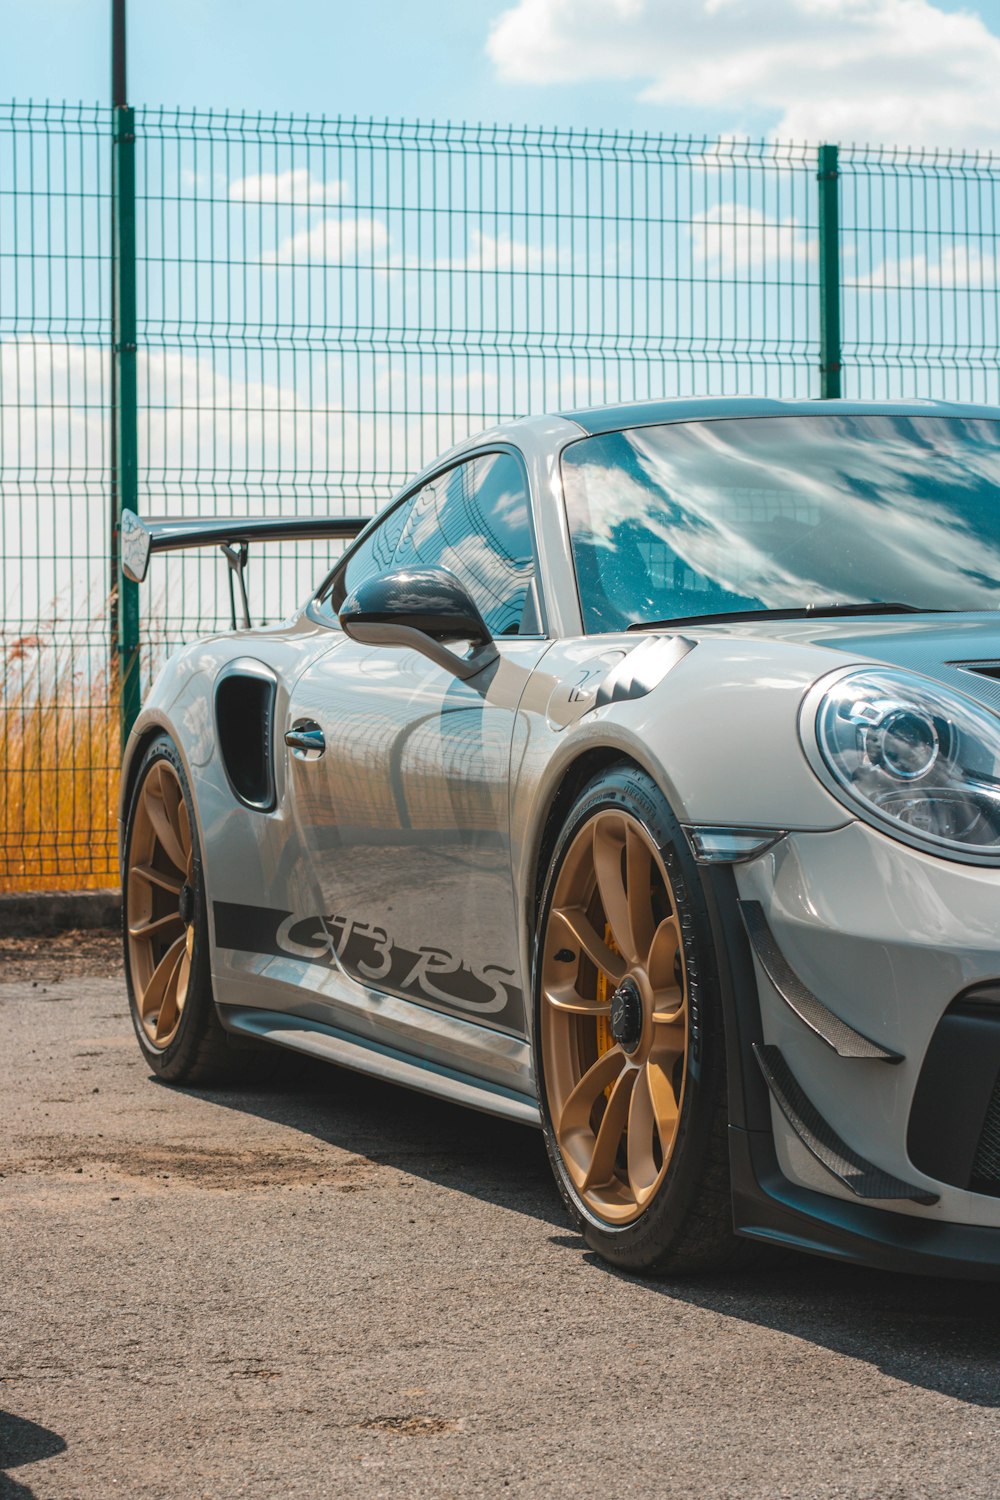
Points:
point(370, 558)
point(473, 520)
point(696, 518)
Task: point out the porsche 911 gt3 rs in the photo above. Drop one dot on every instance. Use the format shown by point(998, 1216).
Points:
point(634, 773)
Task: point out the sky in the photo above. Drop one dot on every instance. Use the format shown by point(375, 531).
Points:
point(917, 72)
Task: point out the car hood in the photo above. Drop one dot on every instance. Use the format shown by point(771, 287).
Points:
point(948, 647)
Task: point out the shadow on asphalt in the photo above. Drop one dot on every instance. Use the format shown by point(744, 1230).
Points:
point(941, 1335)
point(23, 1442)
point(486, 1157)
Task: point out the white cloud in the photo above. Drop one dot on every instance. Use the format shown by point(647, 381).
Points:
point(895, 71)
point(346, 240)
point(489, 252)
point(297, 187)
point(735, 239)
point(335, 240)
point(958, 267)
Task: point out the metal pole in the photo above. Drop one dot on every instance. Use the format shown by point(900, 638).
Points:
point(119, 90)
point(124, 412)
point(117, 97)
point(828, 176)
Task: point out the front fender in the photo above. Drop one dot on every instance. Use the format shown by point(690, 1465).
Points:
point(718, 734)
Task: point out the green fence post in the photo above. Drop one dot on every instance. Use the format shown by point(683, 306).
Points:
point(125, 485)
point(828, 176)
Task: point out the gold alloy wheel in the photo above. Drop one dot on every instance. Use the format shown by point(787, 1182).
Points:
point(161, 904)
point(614, 1018)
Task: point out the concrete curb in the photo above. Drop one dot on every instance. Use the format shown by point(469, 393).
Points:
point(29, 913)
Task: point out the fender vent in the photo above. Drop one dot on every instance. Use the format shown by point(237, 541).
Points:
point(244, 717)
point(981, 668)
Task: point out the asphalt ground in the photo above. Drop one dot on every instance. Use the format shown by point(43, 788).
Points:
point(330, 1287)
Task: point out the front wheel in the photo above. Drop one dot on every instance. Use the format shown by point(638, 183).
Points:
point(629, 1040)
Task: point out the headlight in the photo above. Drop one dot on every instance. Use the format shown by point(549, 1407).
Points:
point(915, 758)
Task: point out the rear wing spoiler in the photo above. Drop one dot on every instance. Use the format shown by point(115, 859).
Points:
point(139, 539)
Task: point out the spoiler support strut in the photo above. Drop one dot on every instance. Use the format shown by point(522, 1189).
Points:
point(236, 556)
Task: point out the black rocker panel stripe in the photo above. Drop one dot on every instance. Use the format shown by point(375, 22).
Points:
point(430, 976)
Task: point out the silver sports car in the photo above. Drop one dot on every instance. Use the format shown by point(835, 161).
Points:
point(635, 774)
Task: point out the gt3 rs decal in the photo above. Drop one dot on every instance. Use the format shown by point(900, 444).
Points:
point(368, 954)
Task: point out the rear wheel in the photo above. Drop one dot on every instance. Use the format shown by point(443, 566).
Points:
point(165, 930)
point(629, 1038)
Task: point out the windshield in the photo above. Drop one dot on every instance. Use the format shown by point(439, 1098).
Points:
point(784, 513)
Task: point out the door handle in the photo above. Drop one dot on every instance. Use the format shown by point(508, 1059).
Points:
point(305, 739)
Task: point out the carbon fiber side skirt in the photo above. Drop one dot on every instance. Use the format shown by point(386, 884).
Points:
point(365, 1055)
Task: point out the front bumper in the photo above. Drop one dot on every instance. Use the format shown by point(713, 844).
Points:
point(769, 1208)
point(885, 937)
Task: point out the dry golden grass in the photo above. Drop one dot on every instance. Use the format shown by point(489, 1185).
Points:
point(59, 758)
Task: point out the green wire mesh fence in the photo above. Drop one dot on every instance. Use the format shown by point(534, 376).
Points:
point(58, 707)
point(321, 306)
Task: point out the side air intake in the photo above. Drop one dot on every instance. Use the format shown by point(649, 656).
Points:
point(244, 717)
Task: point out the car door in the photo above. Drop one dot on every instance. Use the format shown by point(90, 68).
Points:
point(405, 814)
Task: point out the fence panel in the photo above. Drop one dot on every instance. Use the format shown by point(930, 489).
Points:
point(324, 305)
point(58, 714)
point(920, 240)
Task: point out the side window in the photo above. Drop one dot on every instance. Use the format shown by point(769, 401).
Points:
point(372, 557)
point(474, 521)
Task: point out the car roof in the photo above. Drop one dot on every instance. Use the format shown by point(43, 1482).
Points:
point(706, 408)
point(596, 419)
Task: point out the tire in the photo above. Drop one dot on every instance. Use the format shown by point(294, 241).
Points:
point(167, 971)
point(658, 1202)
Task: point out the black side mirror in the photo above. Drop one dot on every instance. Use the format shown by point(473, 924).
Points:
point(421, 608)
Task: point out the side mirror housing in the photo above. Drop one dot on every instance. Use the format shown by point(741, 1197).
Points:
point(422, 608)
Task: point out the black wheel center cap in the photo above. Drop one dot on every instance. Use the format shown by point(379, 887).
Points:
point(185, 905)
point(626, 1015)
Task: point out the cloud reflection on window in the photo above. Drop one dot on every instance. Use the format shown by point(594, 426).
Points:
point(780, 512)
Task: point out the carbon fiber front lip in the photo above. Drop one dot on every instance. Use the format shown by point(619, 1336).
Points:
point(773, 1211)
